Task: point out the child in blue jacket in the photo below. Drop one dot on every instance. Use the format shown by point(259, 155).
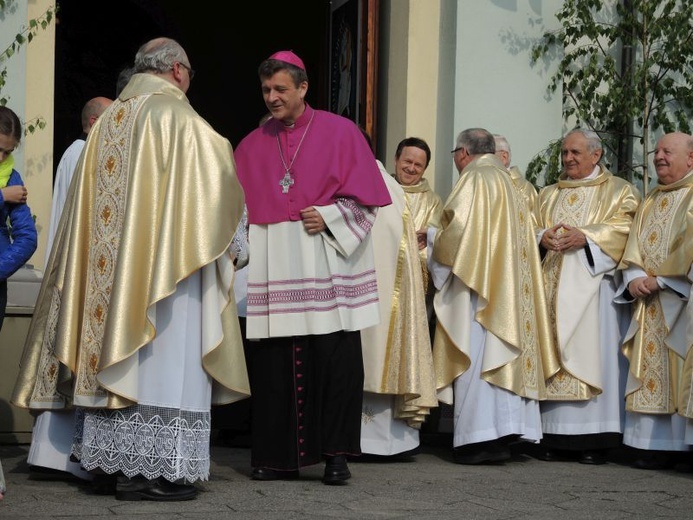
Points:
point(18, 237)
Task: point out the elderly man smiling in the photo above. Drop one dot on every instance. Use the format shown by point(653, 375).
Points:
point(584, 220)
point(656, 263)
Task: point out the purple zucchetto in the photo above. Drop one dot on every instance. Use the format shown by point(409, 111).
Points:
point(288, 57)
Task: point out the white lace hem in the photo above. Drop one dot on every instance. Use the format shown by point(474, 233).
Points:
point(144, 440)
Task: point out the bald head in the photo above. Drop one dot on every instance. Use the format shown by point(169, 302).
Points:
point(92, 110)
point(673, 157)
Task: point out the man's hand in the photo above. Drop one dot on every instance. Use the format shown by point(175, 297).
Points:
point(571, 239)
point(563, 237)
point(313, 222)
point(549, 240)
point(643, 286)
point(422, 238)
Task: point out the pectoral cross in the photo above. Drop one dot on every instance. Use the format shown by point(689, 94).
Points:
point(286, 182)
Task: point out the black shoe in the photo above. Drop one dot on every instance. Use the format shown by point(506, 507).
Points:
point(654, 460)
point(336, 470)
point(104, 484)
point(158, 490)
point(262, 473)
point(593, 457)
point(684, 463)
point(547, 455)
point(482, 452)
point(554, 455)
point(43, 473)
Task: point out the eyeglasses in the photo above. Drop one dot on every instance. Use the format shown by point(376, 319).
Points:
point(191, 72)
point(457, 150)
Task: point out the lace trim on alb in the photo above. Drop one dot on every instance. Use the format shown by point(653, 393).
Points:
point(239, 243)
point(144, 440)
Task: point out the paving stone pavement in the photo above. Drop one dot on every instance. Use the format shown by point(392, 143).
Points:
point(426, 486)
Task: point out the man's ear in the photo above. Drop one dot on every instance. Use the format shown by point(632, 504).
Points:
point(600, 154)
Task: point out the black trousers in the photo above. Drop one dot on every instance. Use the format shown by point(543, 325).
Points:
point(307, 394)
point(585, 442)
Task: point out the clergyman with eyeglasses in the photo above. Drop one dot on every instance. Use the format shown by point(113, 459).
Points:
point(136, 322)
point(492, 348)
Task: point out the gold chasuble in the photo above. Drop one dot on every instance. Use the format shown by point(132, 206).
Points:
point(397, 352)
point(487, 237)
point(602, 208)
point(134, 226)
point(661, 244)
point(425, 207)
point(686, 398)
point(424, 204)
point(526, 188)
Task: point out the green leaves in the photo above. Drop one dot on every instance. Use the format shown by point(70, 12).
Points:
point(31, 126)
point(548, 162)
point(23, 38)
point(626, 70)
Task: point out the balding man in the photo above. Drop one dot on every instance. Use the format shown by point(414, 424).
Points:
point(527, 189)
point(90, 113)
point(52, 432)
point(655, 264)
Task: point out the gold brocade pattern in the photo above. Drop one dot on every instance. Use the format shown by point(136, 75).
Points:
point(657, 394)
point(572, 208)
point(109, 215)
point(46, 389)
point(602, 207)
point(530, 355)
point(655, 234)
point(527, 189)
point(94, 311)
point(610, 214)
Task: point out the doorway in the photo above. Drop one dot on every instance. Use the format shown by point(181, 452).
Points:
point(96, 40)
